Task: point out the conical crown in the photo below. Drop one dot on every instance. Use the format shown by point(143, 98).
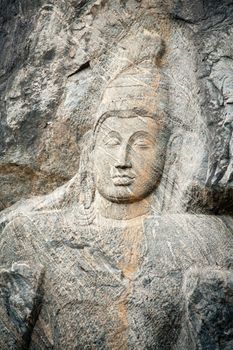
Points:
point(140, 86)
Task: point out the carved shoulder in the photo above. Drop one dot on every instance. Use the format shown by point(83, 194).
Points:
point(195, 239)
point(15, 240)
point(214, 235)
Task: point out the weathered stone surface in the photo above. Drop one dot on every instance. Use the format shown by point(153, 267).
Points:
point(21, 297)
point(67, 51)
point(129, 105)
point(50, 87)
point(206, 312)
point(117, 284)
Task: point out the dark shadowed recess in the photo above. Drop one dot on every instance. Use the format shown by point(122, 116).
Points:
point(200, 10)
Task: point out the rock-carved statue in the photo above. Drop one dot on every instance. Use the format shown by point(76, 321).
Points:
point(111, 271)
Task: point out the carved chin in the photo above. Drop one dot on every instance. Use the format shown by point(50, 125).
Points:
point(122, 193)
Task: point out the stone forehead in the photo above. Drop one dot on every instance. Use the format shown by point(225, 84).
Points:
point(160, 120)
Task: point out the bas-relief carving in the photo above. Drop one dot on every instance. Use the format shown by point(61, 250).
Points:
point(113, 272)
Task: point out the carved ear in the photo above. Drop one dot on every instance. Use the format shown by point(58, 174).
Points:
point(86, 186)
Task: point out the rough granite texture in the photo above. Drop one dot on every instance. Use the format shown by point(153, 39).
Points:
point(56, 58)
point(116, 175)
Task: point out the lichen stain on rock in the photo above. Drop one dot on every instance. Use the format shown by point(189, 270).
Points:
point(15, 178)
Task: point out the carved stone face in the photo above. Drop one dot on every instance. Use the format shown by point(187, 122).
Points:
point(128, 158)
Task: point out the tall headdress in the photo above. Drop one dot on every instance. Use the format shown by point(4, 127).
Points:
point(139, 85)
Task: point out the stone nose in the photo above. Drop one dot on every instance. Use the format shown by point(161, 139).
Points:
point(123, 158)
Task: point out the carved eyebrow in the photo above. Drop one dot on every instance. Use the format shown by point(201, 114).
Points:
point(141, 133)
point(112, 134)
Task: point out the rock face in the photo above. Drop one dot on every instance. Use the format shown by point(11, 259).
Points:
point(56, 60)
point(119, 117)
point(22, 296)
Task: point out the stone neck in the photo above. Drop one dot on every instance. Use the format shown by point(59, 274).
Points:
point(122, 211)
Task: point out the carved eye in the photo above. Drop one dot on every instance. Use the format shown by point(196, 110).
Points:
point(112, 142)
point(142, 143)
